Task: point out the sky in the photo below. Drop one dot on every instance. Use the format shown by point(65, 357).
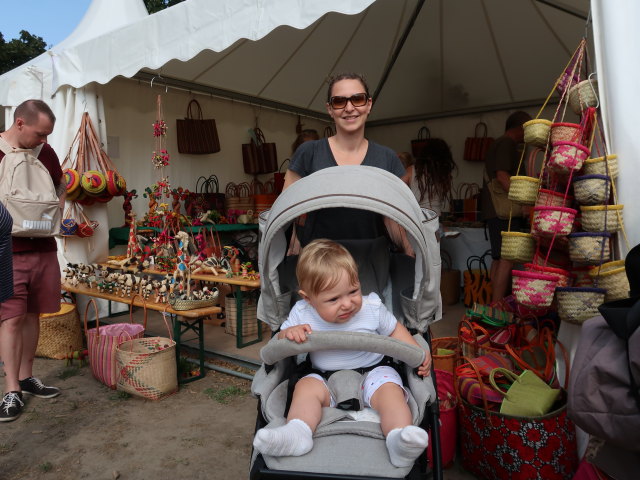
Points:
point(53, 20)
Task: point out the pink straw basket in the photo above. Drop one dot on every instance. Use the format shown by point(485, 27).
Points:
point(567, 157)
point(566, 132)
point(550, 198)
point(533, 289)
point(550, 221)
point(564, 277)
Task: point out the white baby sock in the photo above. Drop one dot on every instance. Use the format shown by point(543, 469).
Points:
point(293, 439)
point(405, 444)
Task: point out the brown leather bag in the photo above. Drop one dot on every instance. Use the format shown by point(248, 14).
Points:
point(476, 147)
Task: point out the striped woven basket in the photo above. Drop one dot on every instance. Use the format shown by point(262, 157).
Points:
point(583, 95)
point(550, 221)
point(612, 277)
point(592, 189)
point(533, 289)
point(565, 132)
point(600, 218)
point(523, 190)
point(60, 333)
point(536, 132)
point(591, 248)
point(577, 304)
point(517, 247)
point(607, 165)
point(550, 198)
point(564, 276)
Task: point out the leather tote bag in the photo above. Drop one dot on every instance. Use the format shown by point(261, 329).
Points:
point(259, 156)
point(197, 136)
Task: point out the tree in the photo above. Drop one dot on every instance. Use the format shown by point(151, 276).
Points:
point(154, 6)
point(19, 50)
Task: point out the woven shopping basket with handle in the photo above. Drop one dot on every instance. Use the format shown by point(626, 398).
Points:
point(60, 333)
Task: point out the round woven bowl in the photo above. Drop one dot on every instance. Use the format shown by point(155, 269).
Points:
point(567, 157)
point(612, 277)
point(583, 95)
point(517, 247)
point(536, 132)
point(577, 304)
point(564, 276)
point(592, 189)
point(533, 289)
point(550, 198)
point(607, 165)
point(591, 248)
point(549, 221)
point(565, 132)
point(601, 218)
point(523, 190)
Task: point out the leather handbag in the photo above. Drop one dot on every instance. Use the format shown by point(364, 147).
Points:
point(418, 144)
point(476, 147)
point(197, 136)
point(259, 156)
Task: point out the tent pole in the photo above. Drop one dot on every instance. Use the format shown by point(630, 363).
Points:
point(398, 49)
point(564, 8)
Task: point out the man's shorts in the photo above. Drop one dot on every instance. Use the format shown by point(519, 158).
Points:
point(36, 278)
point(372, 381)
point(495, 226)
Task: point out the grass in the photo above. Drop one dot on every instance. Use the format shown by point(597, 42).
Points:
point(69, 372)
point(120, 395)
point(45, 467)
point(6, 447)
point(224, 395)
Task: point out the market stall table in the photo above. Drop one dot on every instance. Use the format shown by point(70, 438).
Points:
point(181, 320)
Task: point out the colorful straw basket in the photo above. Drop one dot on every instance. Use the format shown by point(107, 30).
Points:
point(565, 132)
point(599, 218)
point(116, 184)
point(567, 157)
point(517, 246)
point(533, 289)
point(589, 247)
point(613, 278)
point(71, 180)
point(583, 95)
point(550, 221)
point(592, 189)
point(550, 198)
point(93, 182)
point(564, 276)
point(607, 165)
point(577, 304)
point(523, 190)
point(536, 132)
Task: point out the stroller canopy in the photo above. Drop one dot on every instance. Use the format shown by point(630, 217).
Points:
point(360, 187)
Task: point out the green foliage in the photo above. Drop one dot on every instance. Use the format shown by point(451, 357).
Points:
point(154, 6)
point(19, 50)
point(224, 395)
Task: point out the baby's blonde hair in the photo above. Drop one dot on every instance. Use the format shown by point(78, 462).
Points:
point(320, 265)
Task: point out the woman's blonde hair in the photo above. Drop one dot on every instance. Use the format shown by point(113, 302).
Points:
point(321, 264)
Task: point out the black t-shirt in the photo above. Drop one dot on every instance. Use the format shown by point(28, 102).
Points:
point(341, 223)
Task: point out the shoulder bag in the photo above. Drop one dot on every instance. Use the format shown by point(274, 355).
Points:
point(504, 207)
point(197, 136)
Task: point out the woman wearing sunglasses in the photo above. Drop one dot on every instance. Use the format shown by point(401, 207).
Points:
point(349, 105)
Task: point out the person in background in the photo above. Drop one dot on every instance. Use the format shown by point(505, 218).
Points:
point(407, 162)
point(349, 104)
point(36, 273)
point(332, 301)
point(501, 163)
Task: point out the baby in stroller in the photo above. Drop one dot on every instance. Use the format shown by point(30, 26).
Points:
point(332, 301)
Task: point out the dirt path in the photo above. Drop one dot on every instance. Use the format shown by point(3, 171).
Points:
point(90, 431)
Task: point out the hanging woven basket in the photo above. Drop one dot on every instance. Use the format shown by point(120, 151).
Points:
point(606, 165)
point(517, 247)
point(583, 95)
point(116, 184)
point(581, 277)
point(591, 248)
point(567, 157)
point(550, 221)
point(577, 304)
point(565, 132)
point(592, 189)
point(533, 289)
point(550, 198)
point(564, 276)
point(612, 277)
point(93, 182)
point(71, 180)
point(523, 190)
point(536, 132)
point(601, 218)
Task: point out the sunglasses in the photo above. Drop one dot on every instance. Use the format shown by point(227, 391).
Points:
point(357, 100)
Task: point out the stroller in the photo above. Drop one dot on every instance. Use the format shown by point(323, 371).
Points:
point(350, 445)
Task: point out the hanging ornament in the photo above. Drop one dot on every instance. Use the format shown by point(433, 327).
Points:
point(160, 156)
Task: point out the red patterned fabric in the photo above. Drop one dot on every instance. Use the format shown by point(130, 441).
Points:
point(503, 447)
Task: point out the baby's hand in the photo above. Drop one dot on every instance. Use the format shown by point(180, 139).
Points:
point(298, 333)
point(425, 368)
